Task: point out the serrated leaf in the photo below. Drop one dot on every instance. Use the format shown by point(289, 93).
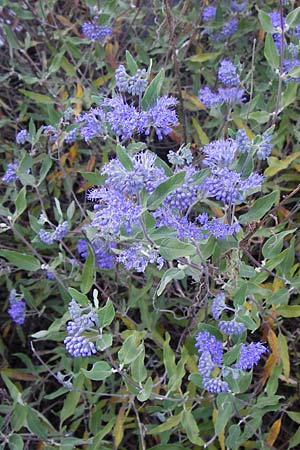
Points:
point(21, 260)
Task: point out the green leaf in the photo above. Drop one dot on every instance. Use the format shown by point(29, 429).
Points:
point(56, 63)
point(98, 438)
point(138, 369)
point(153, 90)
point(99, 372)
point(191, 428)
point(293, 18)
point(131, 349)
point(104, 342)
point(172, 248)
point(124, 158)
point(169, 424)
point(265, 21)
point(35, 424)
point(271, 53)
point(38, 98)
point(259, 208)
point(21, 260)
point(45, 167)
point(15, 442)
point(169, 275)
point(11, 37)
point(93, 177)
point(164, 189)
point(20, 202)
point(225, 407)
point(106, 314)
point(146, 391)
point(273, 246)
point(260, 116)
point(288, 311)
point(79, 297)
point(88, 274)
point(131, 63)
point(202, 57)
point(72, 399)
point(294, 415)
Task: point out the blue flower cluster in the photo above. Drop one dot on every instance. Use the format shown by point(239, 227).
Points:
point(84, 320)
point(17, 307)
point(138, 257)
point(228, 28)
point(48, 237)
point(225, 183)
point(103, 252)
point(96, 32)
point(210, 364)
point(135, 84)
point(10, 173)
point(22, 137)
point(291, 50)
point(232, 93)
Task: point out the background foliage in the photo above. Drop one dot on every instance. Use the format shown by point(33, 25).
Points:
point(144, 385)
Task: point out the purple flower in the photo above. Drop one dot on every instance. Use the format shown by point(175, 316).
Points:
point(46, 237)
point(96, 32)
point(185, 228)
point(242, 141)
point(231, 327)
point(138, 257)
point(290, 64)
point(276, 23)
point(250, 355)
point(265, 146)
point(219, 229)
point(104, 257)
point(219, 154)
point(22, 137)
point(185, 195)
point(50, 275)
point(206, 342)
point(79, 346)
point(218, 306)
point(205, 365)
point(114, 210)
point(160, 116)
point(71, 136)
point(10, 173)
point(228, 29)
point(227, 73)
point(135, 84)
point(228, 186)
point(238, 7)
point(144, 174)
point(92, 123)
point(223, 95)
point(209, 13)
point(122, 118)
point(17, 307)
point(76, 343)
point(215, 385)
point(60, 231)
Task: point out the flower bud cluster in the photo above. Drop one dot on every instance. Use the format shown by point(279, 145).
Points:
point(77, 343)
point(17, 307)
point(48, 237)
